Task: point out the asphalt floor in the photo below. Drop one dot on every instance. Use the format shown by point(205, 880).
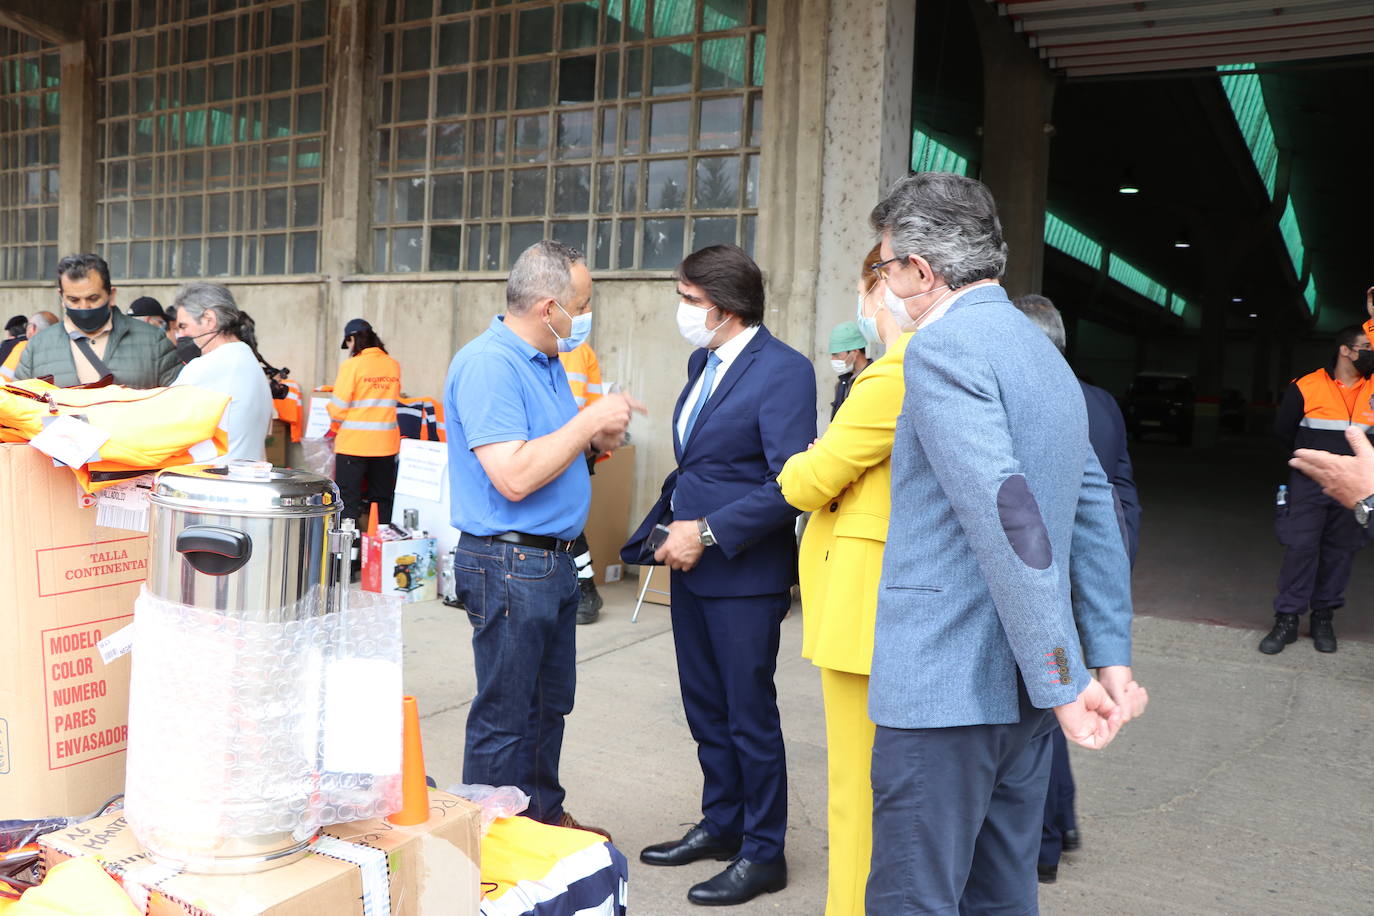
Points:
point(1246, 788)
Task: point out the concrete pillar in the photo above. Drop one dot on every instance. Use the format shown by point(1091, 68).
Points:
point(838, 136)
point(348, 164)
point(77, 138)
point(1018, 95)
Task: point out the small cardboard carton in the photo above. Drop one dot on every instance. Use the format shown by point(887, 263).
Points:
point(427, 870)
point(66, 582)
point(608, 522)
point(397, 565)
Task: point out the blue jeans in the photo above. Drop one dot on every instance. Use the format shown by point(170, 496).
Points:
point(522, 603)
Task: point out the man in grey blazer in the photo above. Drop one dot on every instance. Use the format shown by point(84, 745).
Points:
point(981, 646)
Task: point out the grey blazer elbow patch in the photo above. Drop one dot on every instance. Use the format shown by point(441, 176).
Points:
point(1023, 524)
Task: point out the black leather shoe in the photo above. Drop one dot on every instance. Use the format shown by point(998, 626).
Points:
point(697, 844)
point(1048, 874)
point(1284, 633)
point(1072, 841)
point(740, 883)
point(1323, 635)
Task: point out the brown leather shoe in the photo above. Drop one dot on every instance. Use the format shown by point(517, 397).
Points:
point(567, 820)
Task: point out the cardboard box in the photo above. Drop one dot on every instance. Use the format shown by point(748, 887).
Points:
point(408, 567)
point(278, 438)
point(608, 524)
point(433, 870)
point(65, 583)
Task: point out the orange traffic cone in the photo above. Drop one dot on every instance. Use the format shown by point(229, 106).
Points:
point(372, 520)
point(414, 790)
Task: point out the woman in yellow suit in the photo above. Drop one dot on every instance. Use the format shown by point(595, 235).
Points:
point(845, 481)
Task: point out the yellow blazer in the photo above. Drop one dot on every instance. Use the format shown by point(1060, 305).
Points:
point(846, 482)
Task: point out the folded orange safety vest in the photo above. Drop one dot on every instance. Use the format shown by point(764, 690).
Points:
point(149, 429)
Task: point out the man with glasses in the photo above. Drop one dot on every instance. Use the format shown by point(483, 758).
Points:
point(1320, 535)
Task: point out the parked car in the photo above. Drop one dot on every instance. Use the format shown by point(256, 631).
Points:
point(1160, 402)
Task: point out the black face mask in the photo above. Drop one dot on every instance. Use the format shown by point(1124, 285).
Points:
point(89, 320)
point(188, 349)
point(1364, 363)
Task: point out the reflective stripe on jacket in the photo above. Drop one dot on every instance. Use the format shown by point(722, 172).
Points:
point(584, 374)
point(363, 406)
point(1314, 412)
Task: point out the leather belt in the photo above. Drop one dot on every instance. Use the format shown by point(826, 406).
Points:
point(524, 540)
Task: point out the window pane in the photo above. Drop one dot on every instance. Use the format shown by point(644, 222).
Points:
point(570, 232)
point(304, 252)
point(414, 99)
point(747, 234)
point(310, 68)
point(579, 25)
point(720, 123)
point(610, 75)
point(531, 139)
point(572, 189)
point(756, 120)
point(577, 79)
point(601, 249)
point(532, 85)
point(722, 63)
point(305, 205)
point(662, 245)
point(673, 17)
point(605, 188)
point(751, 183)
point(631, 143)
point(492, 259)
point(670, 124)
point(444, 247)
point(575, 134)
point(405, 249)
point(217, 257)
point(219, 213)
point(717, 15)
point(671, 71)
point(712, 230)
point(410, 149)
point(446, 202)
point(274, 253)
point(473, 258)
point(450, 145)
point(415, 49)
point(450, 94)
point(274, 209)
point(667, 185)
point(408, 200)
point(381, 202)
point(455, 40)
point(522, 236)
point(625, 254)
point(629, 187)
point(535, 35)
point(527, 192)
point(717, 186)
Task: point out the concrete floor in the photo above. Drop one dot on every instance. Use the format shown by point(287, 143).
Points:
point(1246, 789)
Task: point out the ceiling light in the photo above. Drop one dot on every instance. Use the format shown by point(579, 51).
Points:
point(1254, 315)
point(1128, 184)
point(1237, 299)
point(1182, 241)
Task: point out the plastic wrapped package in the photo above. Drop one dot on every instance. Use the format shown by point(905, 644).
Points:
point(249, 729)
point(318, 456)
point(496, 801)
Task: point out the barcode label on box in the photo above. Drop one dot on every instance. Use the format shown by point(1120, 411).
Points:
point(124, 505)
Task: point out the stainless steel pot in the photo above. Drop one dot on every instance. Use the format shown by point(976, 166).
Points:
point(246, 541)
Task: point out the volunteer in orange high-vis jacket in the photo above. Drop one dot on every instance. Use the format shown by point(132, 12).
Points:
point(1320, 535)
point(363, 411)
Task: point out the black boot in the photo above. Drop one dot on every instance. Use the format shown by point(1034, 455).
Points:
point(589, 605)
point(1323, 636)
point(1285, 631)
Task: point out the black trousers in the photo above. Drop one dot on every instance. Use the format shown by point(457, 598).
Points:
point(1322, 538)
point(378, 475)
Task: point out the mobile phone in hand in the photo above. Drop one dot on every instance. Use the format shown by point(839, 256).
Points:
point(656, 539)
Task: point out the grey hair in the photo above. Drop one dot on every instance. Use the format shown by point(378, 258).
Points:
point(543, 271)
point(199, 298)
point(40, 320)
point(1046, 317)
point(949, 220)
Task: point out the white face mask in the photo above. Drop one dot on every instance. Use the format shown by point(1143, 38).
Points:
point(691, 324)
point(581, 329)
point(840, 366)
point(897, 305)
point(868, 324)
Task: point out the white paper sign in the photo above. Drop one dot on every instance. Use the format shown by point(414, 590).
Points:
point(116, 644)
point(422, 469)
point(70, 441)
point(362, 716)
point(125, 505)
point(317, 423)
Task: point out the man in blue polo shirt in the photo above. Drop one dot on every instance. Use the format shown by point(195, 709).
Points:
point(520, 495)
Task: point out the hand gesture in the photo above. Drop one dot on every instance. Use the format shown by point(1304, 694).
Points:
point(1346, 479)
point(610, 417)
point(1124, 691)
point(1092, 720)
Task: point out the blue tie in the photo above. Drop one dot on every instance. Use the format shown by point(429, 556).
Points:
point(712, 361)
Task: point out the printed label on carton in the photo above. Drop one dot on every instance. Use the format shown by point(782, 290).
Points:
point(84, 567)
point(82, 724)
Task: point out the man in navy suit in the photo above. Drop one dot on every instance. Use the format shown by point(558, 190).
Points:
point(1107, 433)
point(749, 404)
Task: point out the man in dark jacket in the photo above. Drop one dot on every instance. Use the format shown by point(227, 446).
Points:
point(95, 340)
point(14, 333)
point(1107, 433)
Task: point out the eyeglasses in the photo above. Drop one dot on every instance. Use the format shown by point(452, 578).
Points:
point(880, 269)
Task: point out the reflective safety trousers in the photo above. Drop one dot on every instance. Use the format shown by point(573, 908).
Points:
point(363, 405)
point(149, 429)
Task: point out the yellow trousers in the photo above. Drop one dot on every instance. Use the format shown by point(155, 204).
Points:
point(849, 744)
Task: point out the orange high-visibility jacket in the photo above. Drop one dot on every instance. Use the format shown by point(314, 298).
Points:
point(149, 428)
point(584, 374)
point(289, 409)
point(363, 406)
point(1325, 416)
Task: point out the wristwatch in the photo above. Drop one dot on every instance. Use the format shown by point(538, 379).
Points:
point(1363, 510)
point(709, 540)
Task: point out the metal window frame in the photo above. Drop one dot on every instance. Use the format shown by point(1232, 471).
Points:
point(26, 255)
point(493, 225)
point(247, 182)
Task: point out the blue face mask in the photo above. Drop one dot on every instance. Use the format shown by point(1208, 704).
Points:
point(581, 330)
point(868, 324)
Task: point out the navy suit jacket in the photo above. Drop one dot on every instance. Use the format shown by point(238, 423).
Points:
point(762, 412)
point(1107, 433)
